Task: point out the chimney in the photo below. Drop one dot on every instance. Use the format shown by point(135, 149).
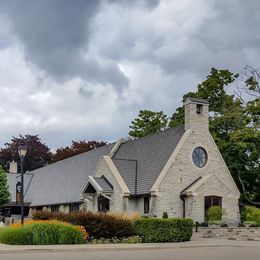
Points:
point(196, 113)
point(13, 167)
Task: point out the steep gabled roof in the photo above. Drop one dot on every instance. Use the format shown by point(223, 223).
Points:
point(140, 161)
point(61, 182)
point(104, 184)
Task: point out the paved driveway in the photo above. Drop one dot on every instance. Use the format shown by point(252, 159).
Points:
point(207, 249)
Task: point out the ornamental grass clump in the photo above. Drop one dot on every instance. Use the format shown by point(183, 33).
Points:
point(42, 233)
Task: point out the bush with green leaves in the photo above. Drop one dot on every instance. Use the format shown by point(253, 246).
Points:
point(164, 230)
point(97, 224)
point(49, 233)
point(215, 213)
point(5, 195)
point(165, 215)
point(251, 214)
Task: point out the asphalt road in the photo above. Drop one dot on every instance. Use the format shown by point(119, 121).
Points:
point(195, 253)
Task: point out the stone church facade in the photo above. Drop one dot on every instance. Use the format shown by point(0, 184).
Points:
point(179, 171)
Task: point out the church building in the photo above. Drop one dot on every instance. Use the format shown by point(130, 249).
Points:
point(179, 171)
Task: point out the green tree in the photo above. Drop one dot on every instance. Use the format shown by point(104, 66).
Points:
point(5, 195)
point(148, 122)
point(212, 89)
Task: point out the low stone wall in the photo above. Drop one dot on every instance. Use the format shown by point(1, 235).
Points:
point(232, 233)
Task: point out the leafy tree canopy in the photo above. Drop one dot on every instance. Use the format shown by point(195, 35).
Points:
point(76, 148)
point(38, 153)
point(5, 195)
point(148, 122)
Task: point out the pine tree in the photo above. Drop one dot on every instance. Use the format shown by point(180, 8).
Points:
point(5, 195)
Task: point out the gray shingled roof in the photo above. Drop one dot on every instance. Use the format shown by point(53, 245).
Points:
point(104, 184)
point(12, 179)
point(127, 169)
point(61, 182)
point(140, 161)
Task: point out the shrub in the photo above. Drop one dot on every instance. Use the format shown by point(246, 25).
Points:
point(165, 215)
point(203, 224)
point(251, 213)
point(97, 224)
point(127, 215)
point(215, 222)
point(164, 230)
point(215, 213)
point(42, 233)
point(224, 224)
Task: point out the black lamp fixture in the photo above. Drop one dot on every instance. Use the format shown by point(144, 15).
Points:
point(22, 150)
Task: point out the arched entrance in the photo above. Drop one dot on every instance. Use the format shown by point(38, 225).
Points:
point(103, 204)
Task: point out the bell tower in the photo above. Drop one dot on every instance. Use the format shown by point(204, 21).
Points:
point(196, 113)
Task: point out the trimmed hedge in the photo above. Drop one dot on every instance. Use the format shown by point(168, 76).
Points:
point(164, 230)
point(49, 233)
point(97, 224)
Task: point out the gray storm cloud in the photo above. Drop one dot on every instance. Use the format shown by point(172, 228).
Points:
point(55, 36)
point(82, 69)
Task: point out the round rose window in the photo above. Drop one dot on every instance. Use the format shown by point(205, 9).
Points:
point(199, 157)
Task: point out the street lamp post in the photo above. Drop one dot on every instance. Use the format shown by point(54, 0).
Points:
point(22, 152)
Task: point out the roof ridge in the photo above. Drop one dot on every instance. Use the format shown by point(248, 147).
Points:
point(156, 133)
point(69, 158)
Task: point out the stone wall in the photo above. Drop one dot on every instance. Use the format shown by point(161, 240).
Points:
point(242, 233)
point(183, 172)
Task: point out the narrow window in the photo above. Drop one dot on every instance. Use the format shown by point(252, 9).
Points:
point(74, 207)
point(146, 205)
point(55, 208)
point(199, 109)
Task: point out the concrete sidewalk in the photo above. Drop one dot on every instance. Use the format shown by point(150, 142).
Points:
point(195, 243)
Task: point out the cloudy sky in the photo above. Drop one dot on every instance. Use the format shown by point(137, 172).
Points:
point(83, 69)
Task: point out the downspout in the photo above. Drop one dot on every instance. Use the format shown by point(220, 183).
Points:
point(135, 177)
point(183, 206)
